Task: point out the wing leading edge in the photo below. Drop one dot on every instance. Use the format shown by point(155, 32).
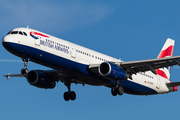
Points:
point(134, 67)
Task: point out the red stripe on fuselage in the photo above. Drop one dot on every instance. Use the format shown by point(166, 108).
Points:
point(166, 52)
point(36, 33)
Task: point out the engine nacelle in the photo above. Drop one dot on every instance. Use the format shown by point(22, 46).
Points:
point(40, 79)
point(112, 71)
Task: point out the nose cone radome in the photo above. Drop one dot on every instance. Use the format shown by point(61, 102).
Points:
point(6, 38)
point(5, 41)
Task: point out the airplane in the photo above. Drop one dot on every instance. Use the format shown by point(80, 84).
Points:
point(72, 63)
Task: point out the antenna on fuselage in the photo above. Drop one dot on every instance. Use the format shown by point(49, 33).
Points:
point(28, 26)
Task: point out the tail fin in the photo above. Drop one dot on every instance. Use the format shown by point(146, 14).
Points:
point(166, 51)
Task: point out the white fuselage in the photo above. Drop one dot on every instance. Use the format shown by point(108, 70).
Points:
point(81, 55)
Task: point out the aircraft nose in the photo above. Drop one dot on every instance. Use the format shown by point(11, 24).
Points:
point(5, 41)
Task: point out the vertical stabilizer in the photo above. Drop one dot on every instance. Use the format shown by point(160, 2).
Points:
point(166, 51)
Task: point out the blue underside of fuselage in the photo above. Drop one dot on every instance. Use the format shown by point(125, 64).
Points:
point(59, 63)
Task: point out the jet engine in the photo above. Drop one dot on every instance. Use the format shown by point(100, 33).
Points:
point(112, 71)
point(40, 79)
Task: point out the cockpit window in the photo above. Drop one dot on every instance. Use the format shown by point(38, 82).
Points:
point(25, 34)
point(20, 33)
point(17, 32)
point(14, 32)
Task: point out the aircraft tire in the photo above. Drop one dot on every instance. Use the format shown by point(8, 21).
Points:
point(66, 96)
point(120, 90)
point(113, 91)
point(72, 95)
point(24, 71)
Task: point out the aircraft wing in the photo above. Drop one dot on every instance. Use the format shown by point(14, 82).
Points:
point(14, 75)
point(151, 64)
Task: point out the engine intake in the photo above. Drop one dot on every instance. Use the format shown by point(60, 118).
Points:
point(112, 71)
point(40, 79)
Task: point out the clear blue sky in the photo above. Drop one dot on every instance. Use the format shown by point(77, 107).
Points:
point(126, 29)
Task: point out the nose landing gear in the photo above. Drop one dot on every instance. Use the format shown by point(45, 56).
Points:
point(25, 70)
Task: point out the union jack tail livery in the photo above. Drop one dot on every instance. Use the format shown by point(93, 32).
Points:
point(166, 51)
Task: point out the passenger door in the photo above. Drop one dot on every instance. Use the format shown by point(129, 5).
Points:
point(158, 82)
point(73, 51)
point(37, 41)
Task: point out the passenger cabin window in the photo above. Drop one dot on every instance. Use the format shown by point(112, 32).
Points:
point(25, 34)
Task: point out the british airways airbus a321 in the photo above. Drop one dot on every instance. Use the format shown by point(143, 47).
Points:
point(72, 63)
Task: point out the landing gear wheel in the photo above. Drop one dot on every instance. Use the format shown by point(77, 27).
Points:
point(120, 90)
point(69, 95)
point(24, 71)
point(66, 96)
point(113, 91)
point(117, 90)
point(72, 95)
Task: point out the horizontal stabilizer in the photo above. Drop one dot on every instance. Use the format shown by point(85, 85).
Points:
point(173, 84)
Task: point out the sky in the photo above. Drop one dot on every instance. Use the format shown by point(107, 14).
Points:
point(126, 29)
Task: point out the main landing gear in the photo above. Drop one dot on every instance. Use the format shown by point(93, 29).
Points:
point(70, 95)
point(117, 90)
point(25, 70)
